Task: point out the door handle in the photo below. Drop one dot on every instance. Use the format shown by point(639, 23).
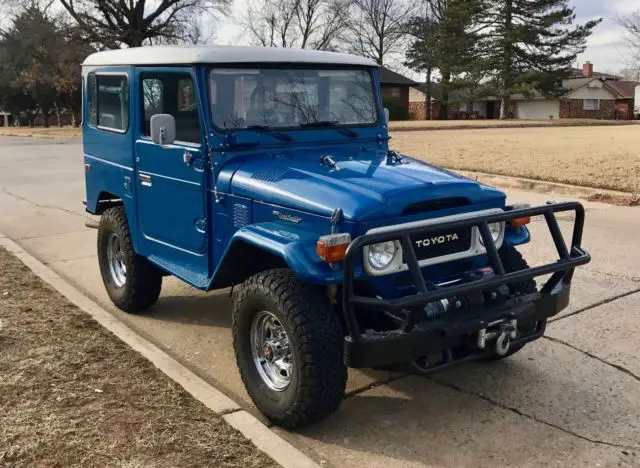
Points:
point(145, 179)
point(195, 162)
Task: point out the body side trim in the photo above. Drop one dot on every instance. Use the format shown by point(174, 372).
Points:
point(110, 163)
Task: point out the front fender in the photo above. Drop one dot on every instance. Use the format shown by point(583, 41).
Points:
point(517, 236)
point(295, 247)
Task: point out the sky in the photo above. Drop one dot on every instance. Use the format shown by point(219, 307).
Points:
point(605, 48)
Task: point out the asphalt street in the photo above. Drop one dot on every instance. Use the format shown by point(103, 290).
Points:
point(569, 399)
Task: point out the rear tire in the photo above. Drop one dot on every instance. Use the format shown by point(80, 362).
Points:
point(133, 284)
point(288, 344)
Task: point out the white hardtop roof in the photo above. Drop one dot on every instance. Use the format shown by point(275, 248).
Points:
point(188, 55)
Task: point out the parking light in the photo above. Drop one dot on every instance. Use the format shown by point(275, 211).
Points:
point(517, 222)
point(333, 247)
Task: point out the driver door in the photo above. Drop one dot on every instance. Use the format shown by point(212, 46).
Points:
point(171, 178)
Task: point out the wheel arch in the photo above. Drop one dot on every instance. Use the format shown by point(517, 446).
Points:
point(243, 260)
point(266, 246)
point(104, 201)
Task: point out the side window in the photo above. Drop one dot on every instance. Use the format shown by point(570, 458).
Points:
point(171, 94)
point(152, 102)
point(109, 101)
point(186, 96)
point(92, 97)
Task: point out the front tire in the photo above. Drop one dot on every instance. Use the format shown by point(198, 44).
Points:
point(133, 284)
point(513, 261)
point(288, 346)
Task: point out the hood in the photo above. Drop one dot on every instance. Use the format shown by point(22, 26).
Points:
point(367, 187)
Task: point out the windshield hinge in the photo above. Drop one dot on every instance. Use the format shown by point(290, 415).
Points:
point(336, 217)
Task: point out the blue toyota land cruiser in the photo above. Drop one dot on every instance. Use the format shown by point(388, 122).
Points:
point(269, 171)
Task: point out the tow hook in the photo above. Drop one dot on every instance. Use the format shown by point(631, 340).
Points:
point(503, 332)
point(503, 343)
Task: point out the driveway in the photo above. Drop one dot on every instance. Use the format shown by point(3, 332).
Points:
point(570, 399)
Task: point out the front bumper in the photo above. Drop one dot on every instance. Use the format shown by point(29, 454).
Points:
point(455, 330)
point(371, 349)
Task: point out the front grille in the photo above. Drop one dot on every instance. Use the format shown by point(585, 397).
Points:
point(435, 205)
point(438, 244)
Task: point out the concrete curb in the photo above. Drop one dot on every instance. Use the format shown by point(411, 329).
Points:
point(577, 191)
point(281, 451)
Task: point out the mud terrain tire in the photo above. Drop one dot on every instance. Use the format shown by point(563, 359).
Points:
point(317, 378)
point(140, 286)
point(512, 260)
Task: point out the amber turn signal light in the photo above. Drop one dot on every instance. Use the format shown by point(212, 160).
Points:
point(517, 222)
point(333, 247)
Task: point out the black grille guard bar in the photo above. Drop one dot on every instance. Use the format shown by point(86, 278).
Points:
point(561, 270)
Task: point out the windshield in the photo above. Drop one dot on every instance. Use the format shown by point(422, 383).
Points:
point(277, 98)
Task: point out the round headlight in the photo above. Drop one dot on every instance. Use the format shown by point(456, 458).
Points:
point(381, 255)
point(496, 230)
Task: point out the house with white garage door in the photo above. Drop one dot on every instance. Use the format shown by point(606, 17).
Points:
point(585, 98)
point(587, 95)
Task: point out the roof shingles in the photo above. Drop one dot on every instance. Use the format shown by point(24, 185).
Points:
point(392, 78)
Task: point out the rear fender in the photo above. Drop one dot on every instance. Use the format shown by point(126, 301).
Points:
point(269, 245)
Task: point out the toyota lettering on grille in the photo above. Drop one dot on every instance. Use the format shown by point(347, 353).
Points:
point(437, 244)
point(437, 240)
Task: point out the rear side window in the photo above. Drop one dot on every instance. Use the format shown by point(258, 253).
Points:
point(171, 93)
point(108, 97)
point(91, 97)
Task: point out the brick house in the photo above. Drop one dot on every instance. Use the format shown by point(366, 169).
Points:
point(395, 93)
point(588, 95)
point(593, 95)
point(417, 104)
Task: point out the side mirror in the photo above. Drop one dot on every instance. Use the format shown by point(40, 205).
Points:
point(163, 129)
point(386, 115)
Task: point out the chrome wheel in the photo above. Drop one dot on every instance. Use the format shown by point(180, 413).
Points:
point(271, 351)
point(115, 260)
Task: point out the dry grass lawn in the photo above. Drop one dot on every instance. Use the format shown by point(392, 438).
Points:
point(405, 125)
point(41, 132)
point(601, 157)
point(74, 132)
point(72, 394)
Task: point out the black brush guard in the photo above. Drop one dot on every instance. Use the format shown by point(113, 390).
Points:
point(378, 349)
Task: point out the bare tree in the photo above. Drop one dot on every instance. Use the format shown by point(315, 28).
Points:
point(378, 28)
point(631, 25)
point(114, 23)
point(307, 24)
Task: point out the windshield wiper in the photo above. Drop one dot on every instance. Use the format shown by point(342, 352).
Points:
point(270, 131)
point(334, 124)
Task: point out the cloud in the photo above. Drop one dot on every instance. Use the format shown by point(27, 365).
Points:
point(606, 47)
